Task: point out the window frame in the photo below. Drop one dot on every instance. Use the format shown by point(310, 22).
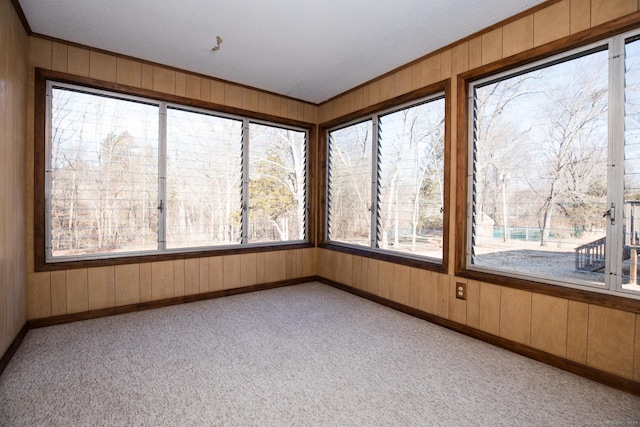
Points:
point(536, 58)
point(439, 90)
point(42, 113)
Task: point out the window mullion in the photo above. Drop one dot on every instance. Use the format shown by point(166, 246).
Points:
point(244, 226)
point(375, 182)
point(615, 190)
point(162, 177)
point(48, 177)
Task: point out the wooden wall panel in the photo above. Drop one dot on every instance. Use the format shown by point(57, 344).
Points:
point(356, 272)
point(78, 61)
point(385, 279)
point(146, 289)
point(443, 295)
point(577, 331)
point(309, 260)
point(403, 82)
point(40, 53)
point(161, 280)
point(489, 320)
point(39, 295)
point(580, 15)
point(475, 52)
point(128, 72)
point(191, 276)
point(400, 289)
point(181, 84)
point(101, 288)
point(77, 291)
point(205, 90)
point(59, 57)
point(291, 267)
point(549, 324)
point(414, 287)
point(517, 36)
point(217, 92)
point(551, 23)
point(233, 96)
point(515, 315)
point(445, 64)
point(430, 70)
point(460, 58)
point(611, 340)
point(147, 75)
point(58, 293)
point(492, 46)
point(344, 269)
point(260, 268)
point(473, 304)
point(127, 284)
point(216, 273)
point(231, 271)
point(193, 87)
point(203, 277)
point(637, 350)
point(608, 10)
point(164, 80)
point(102, 67)
point(178, 277)
point(248, 272)
point(428, 297)
point(370, 276)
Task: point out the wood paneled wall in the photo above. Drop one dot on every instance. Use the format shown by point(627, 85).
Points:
point(600, 337)
point(13, 91)
point(85, 289)
point(604, 338)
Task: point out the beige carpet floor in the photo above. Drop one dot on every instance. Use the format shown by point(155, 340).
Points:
point(300, 355)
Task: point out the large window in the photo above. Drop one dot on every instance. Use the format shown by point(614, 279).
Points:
point(553, 171)
point(386, 181)
point(130, 176)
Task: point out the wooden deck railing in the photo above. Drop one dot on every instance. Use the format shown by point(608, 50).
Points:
point(591, 256)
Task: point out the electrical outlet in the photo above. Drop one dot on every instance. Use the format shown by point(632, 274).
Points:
point(461, 290)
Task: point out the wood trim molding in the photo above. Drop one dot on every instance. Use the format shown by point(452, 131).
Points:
point(168, 67)
point(21, 16)
point(594, 374)
point(41, 77)
point(6, 357)
point(111, 311)
point(385, 256)
point(441, 86)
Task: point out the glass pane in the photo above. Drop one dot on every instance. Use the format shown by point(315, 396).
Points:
point(204, 180)
point(104, 174)
point(631, 168)
point(277, 184)
point(411, 189)
point(349, 184)
point(540, 171)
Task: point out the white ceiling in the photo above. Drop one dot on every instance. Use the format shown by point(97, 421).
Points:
point(307, 50)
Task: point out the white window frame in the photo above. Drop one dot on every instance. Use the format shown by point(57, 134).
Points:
point(375, 146)
point(615, 162)
point(162, 144)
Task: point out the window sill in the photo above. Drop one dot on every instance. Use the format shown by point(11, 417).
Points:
point(620, 301)
point(387, 256)
point(168, 256)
